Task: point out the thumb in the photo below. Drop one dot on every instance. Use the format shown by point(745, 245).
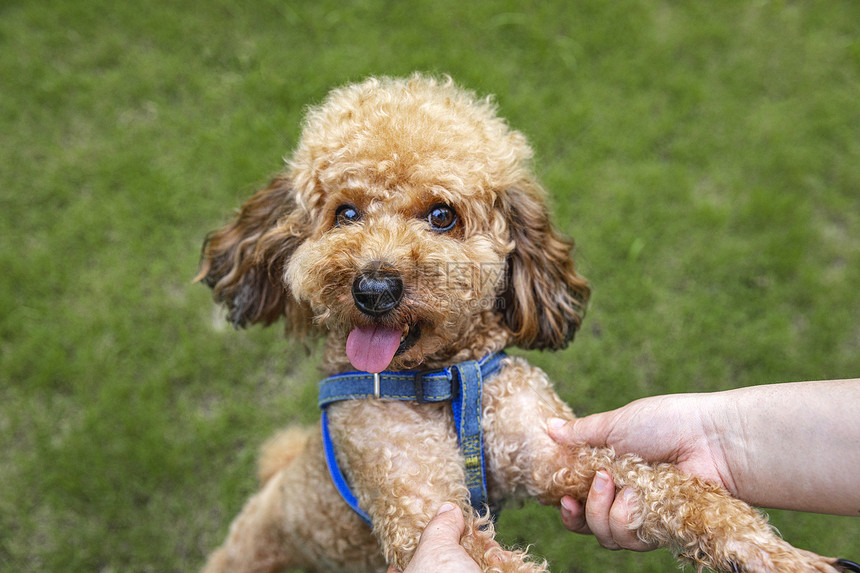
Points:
point(439, 546)
point(592, 430)
point(445, 528)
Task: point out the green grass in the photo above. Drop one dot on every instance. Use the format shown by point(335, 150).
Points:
point(705, 156)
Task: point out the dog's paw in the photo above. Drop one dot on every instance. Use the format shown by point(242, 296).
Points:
point(781, 557)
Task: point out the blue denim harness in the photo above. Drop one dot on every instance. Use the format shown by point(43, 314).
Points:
point(461, 383)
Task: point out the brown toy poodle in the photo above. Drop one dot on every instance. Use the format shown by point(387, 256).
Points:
point(409, 230)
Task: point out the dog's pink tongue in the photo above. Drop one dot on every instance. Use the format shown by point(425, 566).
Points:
point(371, 348)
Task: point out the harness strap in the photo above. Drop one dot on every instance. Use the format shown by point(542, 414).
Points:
point(337, 476)
point(467, 417)
point(461, 383)
point(421, 386)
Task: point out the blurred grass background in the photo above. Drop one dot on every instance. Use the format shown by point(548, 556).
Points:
point(705, 156)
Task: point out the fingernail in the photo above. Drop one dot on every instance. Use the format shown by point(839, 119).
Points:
point(556, 423)
point(445, 508)
point(629, 496)
point(601, 480)
point(567, 503)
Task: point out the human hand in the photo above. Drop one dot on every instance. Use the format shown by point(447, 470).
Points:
point(676, 428)
point(439, 548)
point(683, 429)
point(606, 514)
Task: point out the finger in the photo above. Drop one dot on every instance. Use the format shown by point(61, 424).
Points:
point(446, 527)
point(594, 429)
point(620, 518)
point(439, 546)
point(591, 430)
point(573, 516)
point(392, 569)
point(562, 431)
point(597, 508)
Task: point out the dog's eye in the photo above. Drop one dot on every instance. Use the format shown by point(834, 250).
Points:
point(442, 217)
point(346, 214)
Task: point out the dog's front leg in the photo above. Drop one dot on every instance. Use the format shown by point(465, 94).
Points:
point(403, 462)
point(698, 521)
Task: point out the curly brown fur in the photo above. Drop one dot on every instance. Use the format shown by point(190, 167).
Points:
point(381, 170)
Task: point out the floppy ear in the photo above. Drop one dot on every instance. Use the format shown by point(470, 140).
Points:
point(544, 300)
point(244, 262)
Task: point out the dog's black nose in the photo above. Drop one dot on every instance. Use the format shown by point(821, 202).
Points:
point(377, 292)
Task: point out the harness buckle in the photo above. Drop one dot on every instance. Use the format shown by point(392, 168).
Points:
point(377, 386)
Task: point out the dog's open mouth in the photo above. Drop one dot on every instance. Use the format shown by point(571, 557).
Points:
point(372, 348)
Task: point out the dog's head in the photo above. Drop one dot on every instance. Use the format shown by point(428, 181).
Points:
point(408, 227)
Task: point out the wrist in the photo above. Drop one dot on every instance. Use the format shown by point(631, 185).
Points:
point(725, 436)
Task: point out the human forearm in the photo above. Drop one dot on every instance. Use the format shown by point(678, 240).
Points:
point(791, 446)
